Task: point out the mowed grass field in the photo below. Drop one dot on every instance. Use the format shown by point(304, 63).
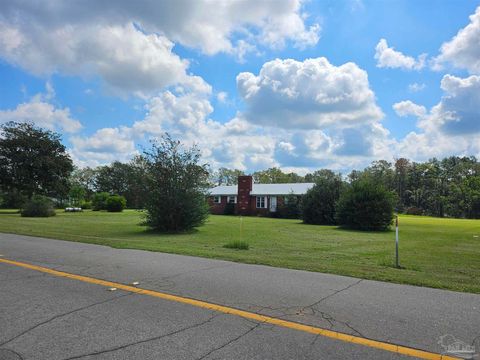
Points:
point(440, 253)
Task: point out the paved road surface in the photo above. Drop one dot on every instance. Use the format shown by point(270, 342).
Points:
point(43, 316)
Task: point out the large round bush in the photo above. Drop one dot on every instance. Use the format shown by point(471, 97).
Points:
point(99, 201)
point(38, 206)
point(365, 205)
point(318, 204)
point(116, 203)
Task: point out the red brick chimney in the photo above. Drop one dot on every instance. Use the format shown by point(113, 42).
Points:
point(245, 184)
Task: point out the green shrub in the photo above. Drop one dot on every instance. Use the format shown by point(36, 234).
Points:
point(229, 209)
point(85, 204)
point(237, 244)
point(290, 209)
point(38, 206)
point(116, 203)
point(176, 182)
point(99, 201)
point(365, 205)
point(318, 204)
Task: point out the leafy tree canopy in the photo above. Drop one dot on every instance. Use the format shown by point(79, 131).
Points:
point(177, 184)
point(33, 161)
point(224, 176)
point(276, 176)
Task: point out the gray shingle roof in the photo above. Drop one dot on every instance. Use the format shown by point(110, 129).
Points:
point(265, 189)
point(224, 190)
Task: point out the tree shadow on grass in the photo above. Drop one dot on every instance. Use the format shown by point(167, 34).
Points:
point(152, 232)
point(347, 230)
point(9, 212)
point(359, 231)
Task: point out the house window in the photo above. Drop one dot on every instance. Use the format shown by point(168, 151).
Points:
point(232, 199)
point(217, 199)
point(261, 202)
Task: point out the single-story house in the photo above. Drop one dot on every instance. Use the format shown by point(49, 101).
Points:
point(253, 199)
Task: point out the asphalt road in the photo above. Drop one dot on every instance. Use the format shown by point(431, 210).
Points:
point(44, 316)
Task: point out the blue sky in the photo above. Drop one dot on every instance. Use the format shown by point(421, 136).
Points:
point(296, 84)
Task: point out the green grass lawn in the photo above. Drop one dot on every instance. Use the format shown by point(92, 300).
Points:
point(441, 253)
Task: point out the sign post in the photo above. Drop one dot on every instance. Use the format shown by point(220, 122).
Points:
point(241, 227)
point(396, 242)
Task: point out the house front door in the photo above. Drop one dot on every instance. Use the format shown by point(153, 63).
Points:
point(273, 203)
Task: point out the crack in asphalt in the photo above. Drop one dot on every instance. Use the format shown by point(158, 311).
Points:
point(287, 311)
point(231, 341)
point(62, 315)
point(312, 344)
point(475, 339)
point(121, 347)
point(311, 307)
point(20, 357)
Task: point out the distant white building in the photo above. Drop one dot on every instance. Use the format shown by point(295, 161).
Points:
point(253, 199)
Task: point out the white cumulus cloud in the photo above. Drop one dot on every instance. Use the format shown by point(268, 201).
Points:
point(409, 108)
point(130, 45)
point(463, 50)
point(416, 87)
point(127, 59)
point(42, 113)
point(458, 111)
point(311, 94)
point(104, 146)
point(451, 127)
point(388, 57)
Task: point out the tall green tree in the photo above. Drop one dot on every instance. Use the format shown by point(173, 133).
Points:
point(177, 185)
point(402, 168)
point(276, 176)
point(382, 173)
point(112, 178)
point(33, 161)
point(76, 194)
point(320, 175)
point(137, 192)
point(224, 176)
point(125, 179)
point(319, 203)
point(84, 178)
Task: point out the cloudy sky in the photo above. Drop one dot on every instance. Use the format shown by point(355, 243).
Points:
point(296, 84)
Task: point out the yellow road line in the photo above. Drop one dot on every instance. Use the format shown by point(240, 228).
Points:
point(404, 350)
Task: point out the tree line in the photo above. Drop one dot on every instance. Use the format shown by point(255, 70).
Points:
point(447, 187)
point(170, 183)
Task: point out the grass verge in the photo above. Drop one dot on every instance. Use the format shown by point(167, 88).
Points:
point(237, 244)
point(440, 253)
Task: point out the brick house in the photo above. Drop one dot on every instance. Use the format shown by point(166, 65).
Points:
point(253, 199)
